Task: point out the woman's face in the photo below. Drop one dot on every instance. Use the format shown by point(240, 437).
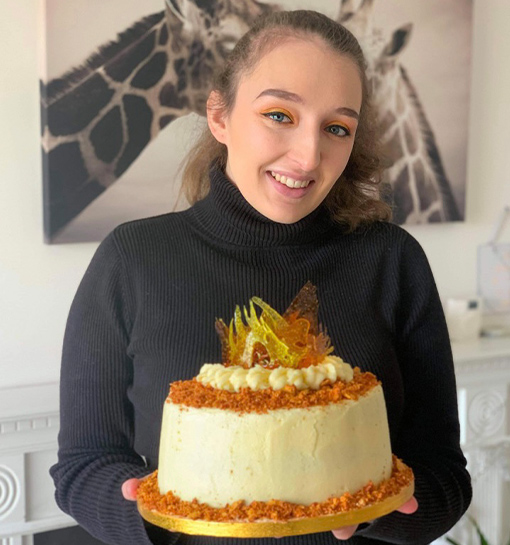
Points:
point(291, 131)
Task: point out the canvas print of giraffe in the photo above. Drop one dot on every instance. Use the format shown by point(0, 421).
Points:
point(124, 86)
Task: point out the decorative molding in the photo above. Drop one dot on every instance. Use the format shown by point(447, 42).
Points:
point(37, 422)
point(486, 413)
point(483, 365)
point(26, 528)
point(10, 491)
point(489, 458)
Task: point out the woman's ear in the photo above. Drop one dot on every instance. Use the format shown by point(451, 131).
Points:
point(216, 117)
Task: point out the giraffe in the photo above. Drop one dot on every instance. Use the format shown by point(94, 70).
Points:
point(420, 188)
point(98, 118)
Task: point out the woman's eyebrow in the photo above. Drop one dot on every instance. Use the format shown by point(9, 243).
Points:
point(280, 93)
point(287, 95)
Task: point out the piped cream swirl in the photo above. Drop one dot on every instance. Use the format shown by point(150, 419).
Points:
point(234, 378)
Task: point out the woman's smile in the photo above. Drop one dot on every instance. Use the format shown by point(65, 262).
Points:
point(288, 187)
point(290, 181)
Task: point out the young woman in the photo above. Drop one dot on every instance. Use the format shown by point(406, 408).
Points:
point(284, 186)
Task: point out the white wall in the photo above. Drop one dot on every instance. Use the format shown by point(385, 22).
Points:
point(37, 281)
point(452, 247)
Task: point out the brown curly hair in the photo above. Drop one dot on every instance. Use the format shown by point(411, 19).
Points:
point(355, 198)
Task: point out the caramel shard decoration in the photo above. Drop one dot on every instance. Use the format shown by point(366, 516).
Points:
point(272, 340)
point(307, 305)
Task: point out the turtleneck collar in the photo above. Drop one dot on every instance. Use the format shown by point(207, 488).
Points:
point(225, 214)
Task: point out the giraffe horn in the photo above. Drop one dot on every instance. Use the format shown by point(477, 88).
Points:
point(361, 19)
point(174, 8)
point(365, 12)
point(180, 8)
point(186, 12)
point(346, 7)
point(366, 6)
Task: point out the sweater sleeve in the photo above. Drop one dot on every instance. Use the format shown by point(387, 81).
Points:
point(96, 453)
point(429, 435)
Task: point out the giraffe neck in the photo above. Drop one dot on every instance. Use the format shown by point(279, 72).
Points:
point(98, 118)
point(421, 188)
point(111, 110)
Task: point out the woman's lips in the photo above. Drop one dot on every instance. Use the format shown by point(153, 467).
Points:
point(293, 192)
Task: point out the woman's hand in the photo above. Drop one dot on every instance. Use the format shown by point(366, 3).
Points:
point(129, 489)
point(346, 532)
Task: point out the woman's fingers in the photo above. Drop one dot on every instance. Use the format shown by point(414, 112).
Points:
point(129, 489)
point(345, 533)
point(409, 506)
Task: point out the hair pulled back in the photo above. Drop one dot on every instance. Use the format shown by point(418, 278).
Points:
point(355, 198)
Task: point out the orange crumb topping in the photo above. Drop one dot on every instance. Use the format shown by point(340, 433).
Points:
point(193, 393)
point(239, 511)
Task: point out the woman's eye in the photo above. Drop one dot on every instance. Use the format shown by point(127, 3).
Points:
point(338, 130)
point(279, 117)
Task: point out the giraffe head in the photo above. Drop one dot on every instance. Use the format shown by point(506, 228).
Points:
point(382, 55)
point(202, 34)
point(421, 189)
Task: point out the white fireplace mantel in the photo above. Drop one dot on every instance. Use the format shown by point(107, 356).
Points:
point(29, 421)
point(482, 368)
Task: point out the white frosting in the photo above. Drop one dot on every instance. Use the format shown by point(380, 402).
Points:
point(234, 378)
point(301, 455)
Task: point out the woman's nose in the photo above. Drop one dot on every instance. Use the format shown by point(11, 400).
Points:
point(306, 150)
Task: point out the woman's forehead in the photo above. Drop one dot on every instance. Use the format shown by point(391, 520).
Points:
point(286, 44)
point(306, 67)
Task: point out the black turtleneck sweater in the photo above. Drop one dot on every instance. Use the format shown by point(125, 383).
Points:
point(144, 316)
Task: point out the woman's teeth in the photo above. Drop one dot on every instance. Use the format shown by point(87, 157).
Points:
point(289, 182)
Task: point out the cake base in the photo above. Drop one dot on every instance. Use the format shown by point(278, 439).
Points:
point(271, 528)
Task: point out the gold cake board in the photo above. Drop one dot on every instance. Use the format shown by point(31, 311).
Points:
point(268, 528)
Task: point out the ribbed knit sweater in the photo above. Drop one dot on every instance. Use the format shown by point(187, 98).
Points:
point(144, 316)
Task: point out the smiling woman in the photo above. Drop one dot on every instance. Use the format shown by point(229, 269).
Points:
point(285, 186)
point(292, 104)
point(286, 150)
